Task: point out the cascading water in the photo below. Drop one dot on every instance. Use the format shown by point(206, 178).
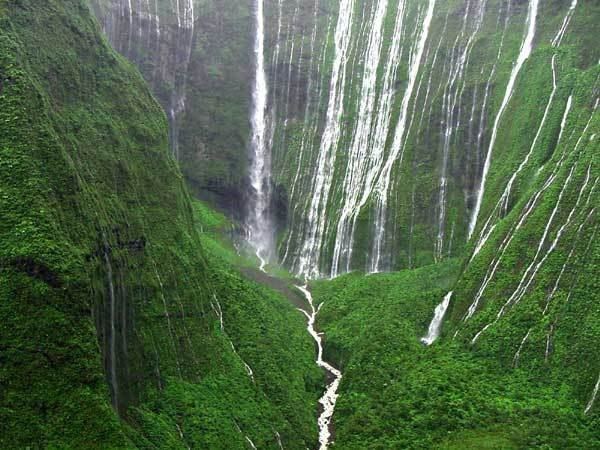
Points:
point(525, 213)
point(590, 404)
point(330, 396)
point(533, 268)
point(358, 161)
point(435, 327)
point(524, 53)
point(395, 156)
point(183, 54)
point(259, 223)
point(307, 263)
point(503, 203)
point(451, 100)
point(308, 139)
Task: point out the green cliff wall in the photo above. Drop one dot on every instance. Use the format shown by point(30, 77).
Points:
point(111, 336)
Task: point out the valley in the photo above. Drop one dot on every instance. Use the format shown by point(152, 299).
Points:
point(297, 224)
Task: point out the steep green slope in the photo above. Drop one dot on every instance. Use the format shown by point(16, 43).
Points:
point(397, 393)
point(106, 292)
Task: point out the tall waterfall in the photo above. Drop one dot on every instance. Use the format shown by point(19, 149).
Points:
point(524, 53)
point(259, 223)
point(356, 169)
point(395, 156)
point(308, 261)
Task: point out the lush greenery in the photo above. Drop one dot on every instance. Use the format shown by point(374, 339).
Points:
point(107, 293)
point(131, 321)
point(398, 393)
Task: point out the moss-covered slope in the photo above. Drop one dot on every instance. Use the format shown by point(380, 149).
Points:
point(398, 393)
point(111, 335)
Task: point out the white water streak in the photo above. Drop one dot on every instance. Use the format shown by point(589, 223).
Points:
point(524, 53)
point(529, 207)
point(561, 33)
point(453, 97)
point(358, 154)
point(590, 404)
point(397, 150)
point(216, 306)
point(518, 353)
point(308, 260)
point(438, 317)
point(260, 230)
point(502, 204)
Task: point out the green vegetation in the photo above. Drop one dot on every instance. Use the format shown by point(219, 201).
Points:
point(109, 280)
point(397, 393)
point(131, 321)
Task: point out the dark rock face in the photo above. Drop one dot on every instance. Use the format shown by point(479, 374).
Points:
point(198, 62)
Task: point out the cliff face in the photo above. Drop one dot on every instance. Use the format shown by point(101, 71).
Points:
point(198, 62)
point(110, 307)
point(388, 118)
point(409, 132)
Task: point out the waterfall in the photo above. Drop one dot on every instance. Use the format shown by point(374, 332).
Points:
point(260, 229)
point(561, 33)
point(590, 404)
point(504, 199)
point(330, 396)
point(527, 210)
point(520, 349)
point(308, 261)
point(524, 53)
point(503, 203)
point(183, 54)
point(396, 153)
point(435, 327)
point(451, 100)
point(358, 160)
point(310, 123)
point(216, 307)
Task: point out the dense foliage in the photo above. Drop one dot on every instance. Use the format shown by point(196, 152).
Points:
point(106, 291)
point(398, 393)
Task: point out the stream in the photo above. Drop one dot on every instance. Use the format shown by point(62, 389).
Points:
point(330, 396)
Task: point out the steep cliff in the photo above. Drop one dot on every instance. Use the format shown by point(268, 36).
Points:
point(119, 329)
point(196, 57)
point(390, 120)
point(453, 141)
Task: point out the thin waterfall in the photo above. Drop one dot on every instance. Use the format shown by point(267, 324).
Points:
point(259, 223)
point(308, 261)
point(452, 99)
point(527, 210)
point(524, 53)
point(435, 327)
point(358, 161)
point(590, 404)
point(503, 203)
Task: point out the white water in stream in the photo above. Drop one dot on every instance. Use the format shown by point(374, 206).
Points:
point(330, 396)
point(260, 231)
